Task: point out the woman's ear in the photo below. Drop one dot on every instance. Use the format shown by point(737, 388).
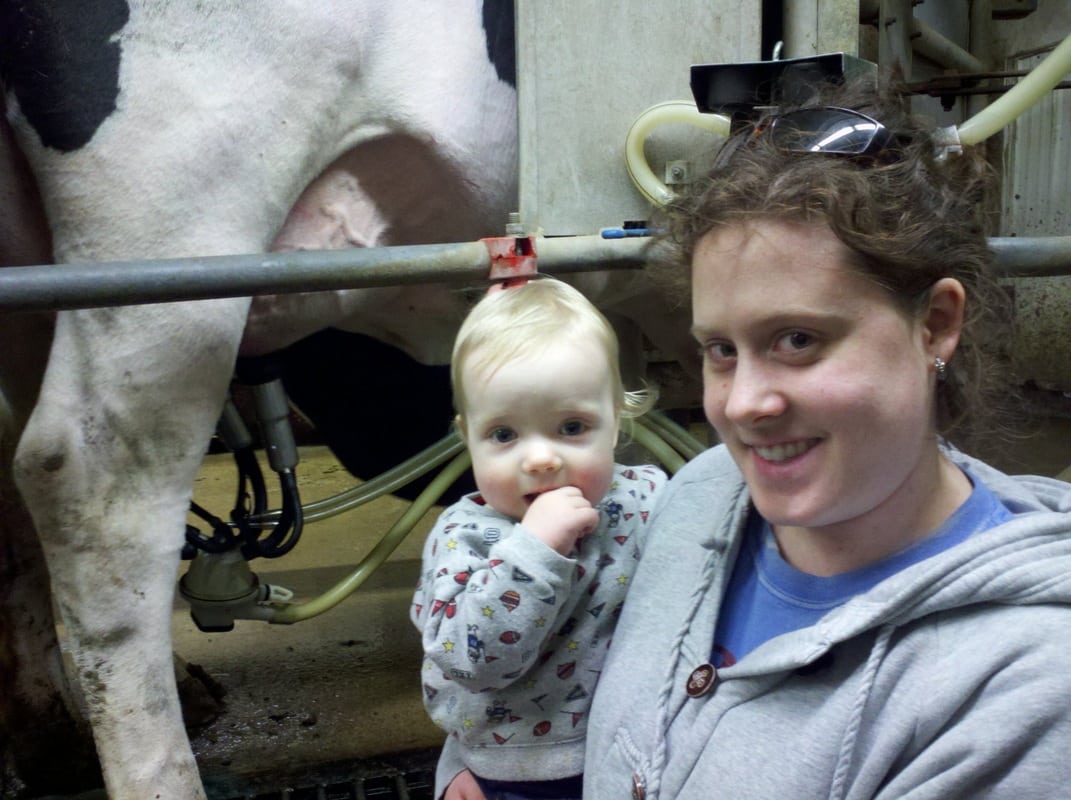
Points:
point(942, 320)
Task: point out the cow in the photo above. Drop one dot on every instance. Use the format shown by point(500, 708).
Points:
point(141, 129)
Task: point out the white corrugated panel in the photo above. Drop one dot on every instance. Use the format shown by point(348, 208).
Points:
point(1037, 158)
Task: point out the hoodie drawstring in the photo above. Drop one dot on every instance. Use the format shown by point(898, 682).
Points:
point(851, 734)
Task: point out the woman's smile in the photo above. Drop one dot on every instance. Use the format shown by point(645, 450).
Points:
point(779, 453)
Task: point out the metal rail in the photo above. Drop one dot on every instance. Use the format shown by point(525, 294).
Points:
point(56, 287)
point(1033, 256)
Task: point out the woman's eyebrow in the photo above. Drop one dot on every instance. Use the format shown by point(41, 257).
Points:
point(783, 317)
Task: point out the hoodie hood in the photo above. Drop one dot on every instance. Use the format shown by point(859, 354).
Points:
point(1025, 561)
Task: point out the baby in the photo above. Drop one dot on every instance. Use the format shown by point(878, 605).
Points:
point(522, 582)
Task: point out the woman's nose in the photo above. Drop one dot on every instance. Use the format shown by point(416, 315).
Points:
point(540, 456)
point(753, 393)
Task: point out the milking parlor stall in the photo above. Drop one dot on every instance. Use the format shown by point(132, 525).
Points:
point(365, 171)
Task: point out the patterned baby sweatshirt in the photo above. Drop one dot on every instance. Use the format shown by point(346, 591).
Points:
point(515, 633)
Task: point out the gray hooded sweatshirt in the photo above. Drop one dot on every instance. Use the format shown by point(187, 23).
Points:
point(950, 679)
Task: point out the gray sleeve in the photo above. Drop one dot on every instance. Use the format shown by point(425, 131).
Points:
point(482, 608)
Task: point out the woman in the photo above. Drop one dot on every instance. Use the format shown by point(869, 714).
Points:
point(835, 602)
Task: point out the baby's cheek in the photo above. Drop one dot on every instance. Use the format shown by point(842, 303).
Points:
point(595, 482)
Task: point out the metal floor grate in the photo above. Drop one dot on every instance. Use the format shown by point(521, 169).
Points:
point(407, 776)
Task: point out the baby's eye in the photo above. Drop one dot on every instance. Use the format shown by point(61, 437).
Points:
point(502, 435)
point(719, 355)
point(573, 427)
point(796, 340)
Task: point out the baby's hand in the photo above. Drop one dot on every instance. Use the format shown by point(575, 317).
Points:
point(560, 517)
point(463, 787)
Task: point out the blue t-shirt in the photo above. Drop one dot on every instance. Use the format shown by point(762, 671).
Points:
point(767, 596)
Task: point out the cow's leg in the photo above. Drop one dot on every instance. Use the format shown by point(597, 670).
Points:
point(36, 720)
point(35, 707)
point(106, 465)
point(36, 717)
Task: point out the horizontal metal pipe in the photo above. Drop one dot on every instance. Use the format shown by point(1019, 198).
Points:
point(56, 287)
point(1032, 256)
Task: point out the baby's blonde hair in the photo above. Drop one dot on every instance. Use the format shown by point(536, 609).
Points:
point(528, 320)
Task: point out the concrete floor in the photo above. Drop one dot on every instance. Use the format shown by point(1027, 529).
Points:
point(308, 703)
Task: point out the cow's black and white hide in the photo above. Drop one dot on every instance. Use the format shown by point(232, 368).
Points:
point(155, 129)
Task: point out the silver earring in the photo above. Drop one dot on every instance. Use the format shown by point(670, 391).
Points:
point(942, 369)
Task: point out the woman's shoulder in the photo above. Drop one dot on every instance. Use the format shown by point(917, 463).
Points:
point(712, 464)
point(1019, 493)
point(708, 490)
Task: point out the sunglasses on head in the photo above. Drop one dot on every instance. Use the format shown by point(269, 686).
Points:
point(828, 130)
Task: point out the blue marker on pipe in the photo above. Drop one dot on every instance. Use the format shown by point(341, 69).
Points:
point(622, 233)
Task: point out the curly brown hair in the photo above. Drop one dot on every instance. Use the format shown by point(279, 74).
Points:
point(908, 221)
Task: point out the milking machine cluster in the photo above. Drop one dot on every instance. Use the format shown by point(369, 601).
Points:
point(219, 585)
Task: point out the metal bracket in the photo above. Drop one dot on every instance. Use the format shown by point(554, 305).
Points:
point(512, 257)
